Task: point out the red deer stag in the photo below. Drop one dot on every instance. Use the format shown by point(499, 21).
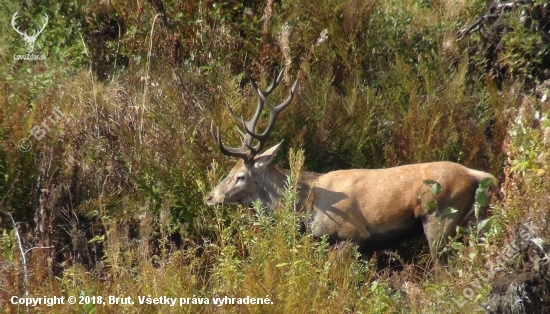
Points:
point(371, 208)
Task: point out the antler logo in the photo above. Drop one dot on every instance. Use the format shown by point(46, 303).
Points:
point(29, 40)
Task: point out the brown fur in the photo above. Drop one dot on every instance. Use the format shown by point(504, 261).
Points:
point(360, 204)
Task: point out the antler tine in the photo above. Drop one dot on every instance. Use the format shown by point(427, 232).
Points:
point(247, 151)
point(13, 19)
point(251, 124)
point(234, 115)
point(38, 32)
point(45, 23)
point(226, 150)
point(274, 113)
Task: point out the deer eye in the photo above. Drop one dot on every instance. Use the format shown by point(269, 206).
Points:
point(240, 178)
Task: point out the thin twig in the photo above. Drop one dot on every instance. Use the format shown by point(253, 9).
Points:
point(24, 254)
point(146, 80)
point(23, 257)
point(39, 247)
point(8, 192)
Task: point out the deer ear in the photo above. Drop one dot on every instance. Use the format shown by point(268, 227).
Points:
point(261, 161)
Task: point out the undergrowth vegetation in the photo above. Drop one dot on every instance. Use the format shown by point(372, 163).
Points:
point(106, 153)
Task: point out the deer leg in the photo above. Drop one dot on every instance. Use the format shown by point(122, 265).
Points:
point(471, 217)
point(438, 230)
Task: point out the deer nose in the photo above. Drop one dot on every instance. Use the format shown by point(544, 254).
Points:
point(208, 199)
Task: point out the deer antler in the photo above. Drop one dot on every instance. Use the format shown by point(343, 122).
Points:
point(35, 34)
point(247, 152)
point(13, 18)
point(29, 40)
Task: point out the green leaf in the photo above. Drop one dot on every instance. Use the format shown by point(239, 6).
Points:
point(97, 239)
point(374, 286)
point(360, 277)
point(482, 224)
point(435, 188)
point(431, 205)
point(482, 199)
point(456, 245)
point(448, 211)
point(485, 183)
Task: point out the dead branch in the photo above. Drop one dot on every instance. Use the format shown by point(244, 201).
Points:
point(24, 254)
point(495, 10)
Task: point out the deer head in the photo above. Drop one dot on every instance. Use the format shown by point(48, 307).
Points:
point(29, 40)
point(248, 181)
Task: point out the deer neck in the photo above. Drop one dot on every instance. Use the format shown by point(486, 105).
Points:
point(275, 184)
